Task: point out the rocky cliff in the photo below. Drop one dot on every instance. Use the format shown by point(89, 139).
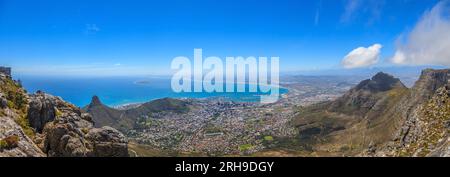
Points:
point(44, 125)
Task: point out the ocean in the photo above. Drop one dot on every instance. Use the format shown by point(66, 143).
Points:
point(116, 91)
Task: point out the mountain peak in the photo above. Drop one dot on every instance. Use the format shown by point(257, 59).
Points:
point(380, 82)
point(381, 76)
point(95, 100)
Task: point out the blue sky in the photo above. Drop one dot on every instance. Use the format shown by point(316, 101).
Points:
point(142, 37)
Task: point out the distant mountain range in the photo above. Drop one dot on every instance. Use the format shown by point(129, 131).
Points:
point(407, 74)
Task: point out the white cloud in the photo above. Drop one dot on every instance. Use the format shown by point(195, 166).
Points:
point(362, 57)
point(429, 41)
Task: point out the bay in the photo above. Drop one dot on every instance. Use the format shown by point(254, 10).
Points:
point(116, 91)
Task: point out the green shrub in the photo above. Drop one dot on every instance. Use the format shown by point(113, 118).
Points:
point(85, 130)
point(17, 100)
point(344, 148)
point(25, 124)
point(3, 144)
point(245, 147)
point(9, 142)
point(58, 113)
point(10, 104)
point(268, 138)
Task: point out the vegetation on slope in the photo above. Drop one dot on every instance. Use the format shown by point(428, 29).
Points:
point(17, 101)
point(434, 122)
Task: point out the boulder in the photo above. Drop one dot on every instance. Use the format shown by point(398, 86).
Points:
point(107, 142)
point(41, 110)
point(3, 103)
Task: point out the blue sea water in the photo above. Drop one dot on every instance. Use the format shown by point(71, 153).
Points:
point(115, 91)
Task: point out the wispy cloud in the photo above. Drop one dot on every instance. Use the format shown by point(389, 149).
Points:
point(429, 41)
point(369, 9)
point(350, 8)
point(362, 57)
point(317, 15)
point(91, 29)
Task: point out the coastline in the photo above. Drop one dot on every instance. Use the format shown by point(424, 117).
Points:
point(217, 98)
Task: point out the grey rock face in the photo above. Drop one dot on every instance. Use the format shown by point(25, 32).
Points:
point(41, 110)
point(429, 81)
point(107, 142)
point(63, 140)
point(3, 102)
point(25, 146)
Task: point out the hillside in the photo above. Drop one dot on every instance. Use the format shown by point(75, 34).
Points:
point(125, 119)
point(106, 116)
point(15, 132)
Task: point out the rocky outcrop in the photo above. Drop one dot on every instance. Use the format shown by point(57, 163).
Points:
point(42, 110)
point(70, 133)
point(107, 142)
